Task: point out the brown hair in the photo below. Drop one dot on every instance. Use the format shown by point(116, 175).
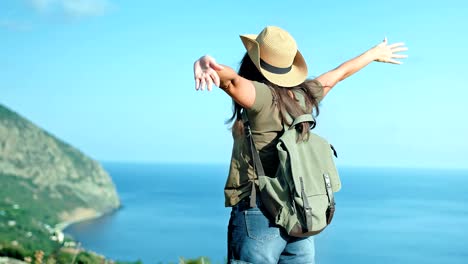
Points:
point(285, 99)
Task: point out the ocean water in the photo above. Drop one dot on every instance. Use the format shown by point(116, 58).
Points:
point(383, 216)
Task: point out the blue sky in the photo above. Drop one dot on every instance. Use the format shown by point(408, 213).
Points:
point(114, 78)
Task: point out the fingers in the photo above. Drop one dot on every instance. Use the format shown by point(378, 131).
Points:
point(197, 74)
point(196, 69)
point(209, 83)
point(199, 69)
point(399, 56)
point(197, 84)
point(215, 77)
point(206, 80)
point(397, 47)
point(206, 76)
point(394, 61)
point(202, 84)
point(400, 49)
point(399, 44)
point(210, 79)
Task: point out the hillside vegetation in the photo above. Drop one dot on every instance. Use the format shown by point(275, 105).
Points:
point(45, 185)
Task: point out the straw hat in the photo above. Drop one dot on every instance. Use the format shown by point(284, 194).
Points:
point(274, 52)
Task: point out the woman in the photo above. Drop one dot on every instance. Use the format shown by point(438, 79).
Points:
point(272, 87)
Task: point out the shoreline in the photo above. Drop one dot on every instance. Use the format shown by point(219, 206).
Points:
point(61, 226)
point(80, 217)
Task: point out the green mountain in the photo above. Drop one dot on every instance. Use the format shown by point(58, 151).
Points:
point(45, 184)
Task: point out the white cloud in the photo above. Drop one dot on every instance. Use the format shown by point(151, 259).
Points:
point(72, 8)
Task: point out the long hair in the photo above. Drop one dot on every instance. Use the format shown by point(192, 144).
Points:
point(285, 99)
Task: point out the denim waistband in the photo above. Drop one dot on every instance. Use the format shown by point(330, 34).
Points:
point(244, 204)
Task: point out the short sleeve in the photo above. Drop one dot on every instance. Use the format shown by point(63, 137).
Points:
point(263, 97)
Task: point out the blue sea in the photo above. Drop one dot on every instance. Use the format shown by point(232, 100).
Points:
point(383, 216)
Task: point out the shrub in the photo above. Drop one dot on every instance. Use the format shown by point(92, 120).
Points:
point(15, 252)
point(88, 258)
point(63, 257)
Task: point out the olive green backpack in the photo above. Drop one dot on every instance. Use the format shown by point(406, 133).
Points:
point(299, 197)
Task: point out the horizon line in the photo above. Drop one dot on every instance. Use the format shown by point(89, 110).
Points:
point(347, 166)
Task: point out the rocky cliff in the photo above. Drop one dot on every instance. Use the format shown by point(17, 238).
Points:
point(47, 177)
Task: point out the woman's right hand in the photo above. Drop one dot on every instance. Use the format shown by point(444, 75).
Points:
point(204, 71)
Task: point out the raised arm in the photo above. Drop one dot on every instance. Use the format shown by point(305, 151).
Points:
point(381, 53)
point(207, 72)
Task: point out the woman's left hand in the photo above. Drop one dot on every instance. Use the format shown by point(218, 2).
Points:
point(204, 70)
point(388, 53)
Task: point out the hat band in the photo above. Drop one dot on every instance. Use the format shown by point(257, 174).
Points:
point(273, 69)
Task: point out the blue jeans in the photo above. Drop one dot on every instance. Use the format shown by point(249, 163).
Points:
point(252, 238)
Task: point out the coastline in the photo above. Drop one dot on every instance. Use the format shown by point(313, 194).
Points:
point(61, 226)
point(81, 215)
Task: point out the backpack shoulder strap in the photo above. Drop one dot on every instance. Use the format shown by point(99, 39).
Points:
point(300, 119)
point(303, 118)
point(257, 163)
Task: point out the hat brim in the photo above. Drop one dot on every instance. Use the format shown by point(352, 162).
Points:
point(294, 77)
